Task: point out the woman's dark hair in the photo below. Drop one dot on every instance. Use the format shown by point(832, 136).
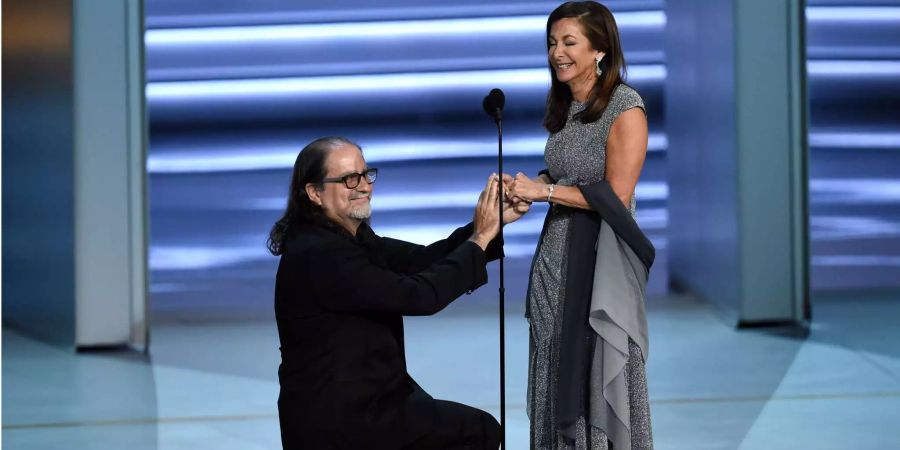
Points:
point(599, 25)
point(308, 168)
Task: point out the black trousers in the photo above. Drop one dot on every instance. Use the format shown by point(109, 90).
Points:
point(459, 427)
point(456, 427)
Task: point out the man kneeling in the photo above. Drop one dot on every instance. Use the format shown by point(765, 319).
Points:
point(340, 296)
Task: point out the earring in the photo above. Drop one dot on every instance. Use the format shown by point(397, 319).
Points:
point(599, 70)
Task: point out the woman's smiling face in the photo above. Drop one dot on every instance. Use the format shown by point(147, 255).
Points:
point(570, 53)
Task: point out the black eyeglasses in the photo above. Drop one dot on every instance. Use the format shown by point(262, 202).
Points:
point(351, 180)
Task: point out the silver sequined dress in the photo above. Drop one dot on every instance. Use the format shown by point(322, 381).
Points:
point(575, 155)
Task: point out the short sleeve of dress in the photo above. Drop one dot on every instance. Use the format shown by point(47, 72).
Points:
point(623, 99)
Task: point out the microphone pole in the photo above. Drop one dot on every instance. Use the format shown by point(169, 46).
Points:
point(493, 105)
point(502, 288)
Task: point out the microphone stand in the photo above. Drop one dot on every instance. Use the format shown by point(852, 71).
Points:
point(498, 119)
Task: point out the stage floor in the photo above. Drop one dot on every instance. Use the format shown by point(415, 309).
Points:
point(210, 382)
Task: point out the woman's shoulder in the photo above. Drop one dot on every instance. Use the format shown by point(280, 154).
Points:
point(627, 94)
point(624, 97)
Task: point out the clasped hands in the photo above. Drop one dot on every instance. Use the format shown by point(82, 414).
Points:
point(520, 189)
point(517, 193)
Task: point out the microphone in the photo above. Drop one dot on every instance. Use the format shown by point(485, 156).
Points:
point(493, 104)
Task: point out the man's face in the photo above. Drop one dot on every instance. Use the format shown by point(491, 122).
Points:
point(348, 207)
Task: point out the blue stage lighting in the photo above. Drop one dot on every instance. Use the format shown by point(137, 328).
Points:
point(853, 68)
point(845, 14)
point(245, 157)
point(383, 29)
point(537, 78)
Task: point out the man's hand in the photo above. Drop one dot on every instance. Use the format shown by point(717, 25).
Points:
point(514, 211)
point(487, 217)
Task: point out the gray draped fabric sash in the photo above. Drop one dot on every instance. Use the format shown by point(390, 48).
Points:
point(616, 314)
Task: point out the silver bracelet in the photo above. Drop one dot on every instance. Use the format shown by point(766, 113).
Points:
point(550, 194)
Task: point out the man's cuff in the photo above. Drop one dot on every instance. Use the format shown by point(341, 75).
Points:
point(479, 267)
point(494, 249)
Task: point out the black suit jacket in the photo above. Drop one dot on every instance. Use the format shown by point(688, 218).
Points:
point(339, 304)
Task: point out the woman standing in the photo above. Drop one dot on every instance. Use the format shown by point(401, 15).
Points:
point(588, 341)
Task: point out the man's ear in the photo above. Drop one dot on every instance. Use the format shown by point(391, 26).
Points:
point(313, 193)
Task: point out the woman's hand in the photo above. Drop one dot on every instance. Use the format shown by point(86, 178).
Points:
point(513, 210)
point(524, 189)
point(487, 214)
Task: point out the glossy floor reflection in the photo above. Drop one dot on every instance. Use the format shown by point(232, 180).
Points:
point(211, 383)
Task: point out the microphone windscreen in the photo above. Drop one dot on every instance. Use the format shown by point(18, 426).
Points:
point(493, 101)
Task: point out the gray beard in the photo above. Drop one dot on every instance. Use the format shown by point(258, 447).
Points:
point(361, 213)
